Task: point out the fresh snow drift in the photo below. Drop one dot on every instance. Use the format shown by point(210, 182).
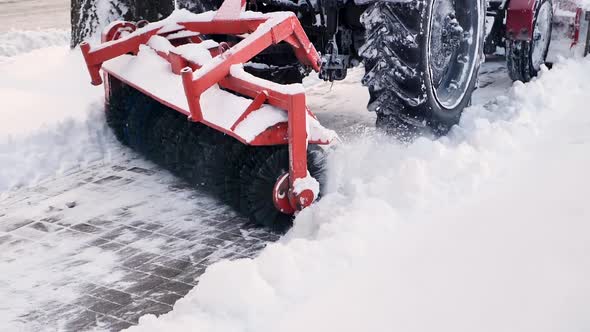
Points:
point(484, 230)
point(52, 118)
point(17, 42)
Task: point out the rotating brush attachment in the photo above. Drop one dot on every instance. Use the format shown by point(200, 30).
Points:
point(240, 175)
point(259, 175)
point(257, 190)
point(117, 110)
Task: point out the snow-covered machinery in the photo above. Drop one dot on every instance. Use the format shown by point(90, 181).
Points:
point(152, 68)
point(537, 32)
point(250, 136)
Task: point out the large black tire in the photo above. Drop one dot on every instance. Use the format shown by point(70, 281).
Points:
point(406, 91)
point(524, 58)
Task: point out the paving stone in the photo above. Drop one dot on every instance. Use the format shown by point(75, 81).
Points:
point(231, 237)
point(138, 259)
point(201, 254)
point(191, 276)
point(12, 224)
point(145, 285)
point(165, 297)
point(152, 227)
point(127, 251)
point(45, 227)
point(215, 242)
point(104, 307)
point(161, 253)
point(103, 223)
point(125, 234)
point(124, 181)
point(97, 242)
point(107, 179)
point(52, 219)
point(112, 246)
point(86, 228)
point(176, 287)
point(36, 315)
point(231, 225)
point(141, 171)
point(172, 263)
point(112, 295)
point(159, 270)
point(108, 323)
point(137, 224)
point(5, 238)
point(264, 235)
point(133, 311)
point(131, 279)
point(117, 168)
point(29, 233)
point(253, 251)
point(67, 234)
point(84, 320)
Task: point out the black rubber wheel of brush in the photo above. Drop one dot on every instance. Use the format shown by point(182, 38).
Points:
point(117, 112)
point(259, 175)
point(144, 112)
point(406, 92)
point(164, 148)
point(520, 55)
point(190, 154)
point(236, 154)
point(258, 191)
point(214, 160)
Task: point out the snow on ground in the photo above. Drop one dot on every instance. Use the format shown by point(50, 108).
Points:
point(52, 118)
point(17, 42)
point(483, 230)
point(28, 270)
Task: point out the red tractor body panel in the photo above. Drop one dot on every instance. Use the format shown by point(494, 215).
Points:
point(520, 17)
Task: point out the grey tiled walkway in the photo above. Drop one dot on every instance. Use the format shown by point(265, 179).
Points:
point(100, 247)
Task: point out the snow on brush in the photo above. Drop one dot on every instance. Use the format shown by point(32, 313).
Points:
point(484, 230)
point(51, 117)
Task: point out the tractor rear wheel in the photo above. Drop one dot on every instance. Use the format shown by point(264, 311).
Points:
point(524, 58)
point(421, 61)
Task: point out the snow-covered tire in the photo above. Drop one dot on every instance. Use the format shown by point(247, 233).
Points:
point(524, 58)
point(406, 89)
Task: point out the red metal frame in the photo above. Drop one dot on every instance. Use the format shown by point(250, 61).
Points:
point(576, 32)
point(197, 80)
point(520, 17)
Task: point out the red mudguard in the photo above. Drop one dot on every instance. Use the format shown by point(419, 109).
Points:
point(520, 17)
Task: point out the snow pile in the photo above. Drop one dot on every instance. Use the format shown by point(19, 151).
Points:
point(485, 230)
point(16, 42)
point(51, 119)
point(584, 4)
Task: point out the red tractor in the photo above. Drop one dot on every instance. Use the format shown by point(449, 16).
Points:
point(216, 97)
point(536, 32)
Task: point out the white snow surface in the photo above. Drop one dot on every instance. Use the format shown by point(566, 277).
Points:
point(306, 183)
point(51, 117)
point(15, 42)
point(484, 230)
